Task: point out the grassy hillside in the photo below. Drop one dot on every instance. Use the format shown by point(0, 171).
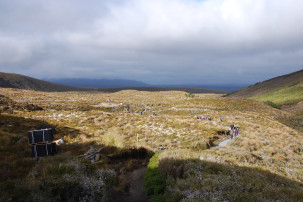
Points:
point(287, 95)
point(287, 89)
point(8, 80)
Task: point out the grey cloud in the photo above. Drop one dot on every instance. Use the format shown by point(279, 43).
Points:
point(177, 41)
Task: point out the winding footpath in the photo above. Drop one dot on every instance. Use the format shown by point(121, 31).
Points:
point(136, 192)
point(136, 187)
point(225, 142)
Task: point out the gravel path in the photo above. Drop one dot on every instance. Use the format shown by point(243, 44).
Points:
point(224, 142)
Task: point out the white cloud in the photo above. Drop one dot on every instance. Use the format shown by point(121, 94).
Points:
point(155, 41)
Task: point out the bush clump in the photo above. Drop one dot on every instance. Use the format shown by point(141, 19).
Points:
point(71, 181)
point(172, 168)
point(209, 181)
point(272, 104)
point(190, 95)
point(114, 137)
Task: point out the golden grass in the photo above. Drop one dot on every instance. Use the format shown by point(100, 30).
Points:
point(86, 118)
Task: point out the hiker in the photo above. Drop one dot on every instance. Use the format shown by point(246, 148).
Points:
point(221, 119)
point(209, 118)
point(232, 134)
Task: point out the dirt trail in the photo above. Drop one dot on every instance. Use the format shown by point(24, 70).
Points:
point(225, 142)
point(136, 188)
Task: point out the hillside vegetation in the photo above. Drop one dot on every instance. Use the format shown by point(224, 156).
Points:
point(283, 96)
point(264, 163)
point(282, 90)
point(8, 80)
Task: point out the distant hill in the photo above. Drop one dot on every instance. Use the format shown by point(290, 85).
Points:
point(222, 87)
point(286, 89)
point(122, 83)
point(8, 80)
point(115, 85)
point(99, 83)
point(154, 89)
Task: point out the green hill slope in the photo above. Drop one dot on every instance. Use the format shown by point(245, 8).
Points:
point(8, 80)
point(286, 89)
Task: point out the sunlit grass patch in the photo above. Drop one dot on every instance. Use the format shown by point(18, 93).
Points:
point(290, 95)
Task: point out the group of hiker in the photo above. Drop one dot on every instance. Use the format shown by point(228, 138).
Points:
point(205, 118)
point(202, 117)
point(234, 131)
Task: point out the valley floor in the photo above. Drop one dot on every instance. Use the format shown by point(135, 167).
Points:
point(264, 162)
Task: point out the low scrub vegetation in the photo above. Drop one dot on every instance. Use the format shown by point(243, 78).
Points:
point(264, 161)
point(208, 181)
point(190, 95)
point(285, 96)
point(272, 104)
point(71, 180)
point(113, 137)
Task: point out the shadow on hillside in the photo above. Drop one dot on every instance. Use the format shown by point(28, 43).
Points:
point(14, 142)
point(16, 160)
point(295, 122)
point(16, 153)
point(198, 180)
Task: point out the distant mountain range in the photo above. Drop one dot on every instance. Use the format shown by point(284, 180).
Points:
point(286, 89)
point(99, 83)
point(224, 87)
point(9, 80)
point(123, 83)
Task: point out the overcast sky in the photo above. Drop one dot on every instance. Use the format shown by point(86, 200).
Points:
point(154, 41)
